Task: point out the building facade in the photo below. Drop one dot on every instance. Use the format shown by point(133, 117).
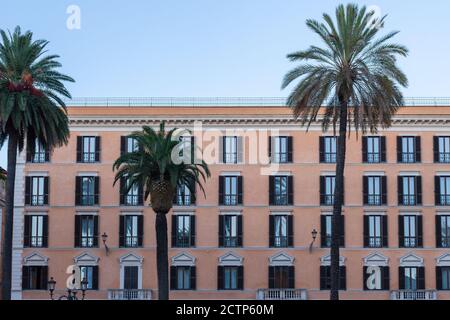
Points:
point(252, 236)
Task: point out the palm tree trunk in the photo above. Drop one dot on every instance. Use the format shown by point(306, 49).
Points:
point(8, 239)
point(338, 201)
point(162, 257)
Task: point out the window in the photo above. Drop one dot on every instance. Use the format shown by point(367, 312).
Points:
point(281, 190)
point(442, 149)
point(36, 191)
point(281, 231)
point(87, 191)
point(374, 190)
point(409, 190)
point(182, 278)
point(40, 155)
point(183, 196)
point(383, 284)
point(443, 278)
point(374, 149)
point(326, 231)
point(134, 196)
point(230, 190)
point(36, 231)
point(34, 277)
point(88, 149)
point(281, 277)
point(230, 278)
point(412, 278)
point(230, 231)
point(280, 149)
point(230, 150)
point(131, 277)
point(442, 190)
point(131, 231)
point(410, 231)
point(327, 185)
point(128, 145)
point(408, 149)
point(328, 149)
point(90, 273)
point(86, 231)
point(442, 231)
point(183, 231)
point(325, 278)
point(375, 231)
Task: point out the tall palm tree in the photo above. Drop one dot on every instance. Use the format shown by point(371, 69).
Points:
point(152, 167)
point(356, 77)
point(30, 108)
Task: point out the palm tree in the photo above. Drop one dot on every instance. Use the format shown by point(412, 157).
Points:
point(356, 77)
point(30, 108)
point(152, 167)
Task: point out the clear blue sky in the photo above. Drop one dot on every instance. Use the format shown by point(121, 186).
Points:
point(212, 47)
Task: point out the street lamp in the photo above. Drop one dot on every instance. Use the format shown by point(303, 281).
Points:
point(314, 236)
point(71, 294)
point(104, 238)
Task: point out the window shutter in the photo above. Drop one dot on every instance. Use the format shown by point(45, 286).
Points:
point(26, 278)
point(271, 231)
point(365, 278)
point(384, 222)
point(96, 190)
point(240, 282)
point(342, 278)
point(342, 231)
point(322, 190)
point(438, 231)
point(240, 149)
point(240, 227)
point(401, 278)
point(401, 235)
point(95, 279)
point(323, 278)
point(222, 149)
point(290, 148)
point(121, 231)
point(123, 143)
point(364, 149)
point(173, 278)
point(290, 190)
point(27, 231)
point(47, 154)
point(192, 217)
point(291, 277)
point(174, 231)
point(386, 278)
point(269, 147)
point(44, 278)
point(79, 149)
point(141, 195)
point(323, 235)
point(419, 190)
point(400, 190)
point(122, 190)
point(439, 278)
point(193, 194)
point(365, 190)
point(140, 230)
point(97, 149)
point(221, 226)
point(384, 190)
point(220, 272)
point(383, 148)
point(45, 231)
point(77, 233)
point(271, 277)
point(240, 189)
point(418, 150)
point(321, 149)
point(78, 190)
point(193, 278)
point(28, 190)
point(366, 231)
point(437, 190)
point(271, 190)
point(95, 217)
point(193, 149)
point(290, 225)
point(46, 187)
point(399, 149)
point(419, 231)
point(221, 189)
point(421, 278)
point(436, 149)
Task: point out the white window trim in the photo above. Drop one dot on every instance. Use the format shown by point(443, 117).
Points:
point(35, 259)
point(409, 173)
point(32, 174)
point(374, 174)
point(411, 260)
point(376, 259)
point(280, 213)
point(326, 260)
point(230, 213)
point(281, 173)
point(183, 259)
point(87, 174)
point(86, 259)
point(130, 260)
point(230, 173)
point(231, 259)
point(328, 173)
point(374, 212)
point(281, 259)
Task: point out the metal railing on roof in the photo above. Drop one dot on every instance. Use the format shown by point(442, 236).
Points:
point(217, 102)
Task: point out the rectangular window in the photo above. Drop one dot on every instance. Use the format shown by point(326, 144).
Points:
point(230, 231)
point(36, 191)
point(281, 277)
point(130, 196)
point(375, 231)
point(230, 278)
point(280, 149)
point(442, 231)
point(327, 185)
point(40, 155)
point(88, 149)
point(328, 149)
point(87, 190)
point(442, 149)
point(412, 278)
point(325, 278)
point(372, 283)
point(131, 277)
point(408, 149)
point(230, 150)
point(374, 190)
point(36, 231)
point(90, 273)
point(131, 231)
point(410, 231)
point(374, 149)
point(183, 196)
point(409, 190)
point(326, 231)
point(443, 278)
point(182, 278)
point(281, 231)
point(183, 231)
point(281, 190)
point(86, 231)
point(230, 190)
point(34, 277)
point(442, 189)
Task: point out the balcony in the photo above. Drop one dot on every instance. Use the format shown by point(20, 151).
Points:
point(129, 294)
point(281, 294)
point(414, 295)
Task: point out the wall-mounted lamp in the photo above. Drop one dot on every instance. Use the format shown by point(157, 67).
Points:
point(314, 236)
point(104, 238)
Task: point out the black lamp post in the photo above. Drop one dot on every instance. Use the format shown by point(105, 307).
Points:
point(71, 294)
point(314, 236)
